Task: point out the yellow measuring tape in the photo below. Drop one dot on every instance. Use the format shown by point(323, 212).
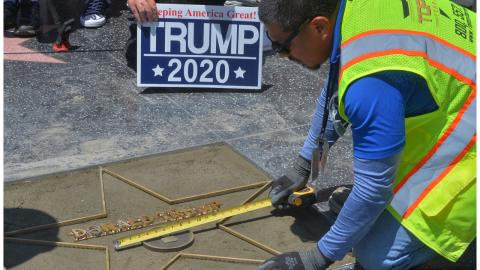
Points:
point(136, 239)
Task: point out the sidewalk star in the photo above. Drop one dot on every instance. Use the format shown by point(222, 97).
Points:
point(239, 73)
point(158, 71)
point(14, 50)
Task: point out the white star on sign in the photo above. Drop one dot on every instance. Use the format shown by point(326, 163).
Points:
point(158, 71)
point(239, 73)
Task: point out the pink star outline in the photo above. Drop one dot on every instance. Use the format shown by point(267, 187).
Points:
point(14, 51)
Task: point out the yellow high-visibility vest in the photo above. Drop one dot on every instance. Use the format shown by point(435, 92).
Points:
point(434, 189)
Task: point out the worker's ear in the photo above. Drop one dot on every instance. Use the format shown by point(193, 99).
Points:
point(321, 26)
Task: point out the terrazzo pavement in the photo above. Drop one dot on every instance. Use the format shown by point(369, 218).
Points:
point(89, 111)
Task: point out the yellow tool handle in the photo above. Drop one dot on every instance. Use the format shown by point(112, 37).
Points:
point(305, 196)
point(305, 191)
point(169, 228)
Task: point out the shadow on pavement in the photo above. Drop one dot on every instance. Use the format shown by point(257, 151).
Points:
point(309, 226)
point(19, 218)
point(164, 90)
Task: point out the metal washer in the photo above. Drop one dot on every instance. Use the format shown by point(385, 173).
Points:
point(172, 242)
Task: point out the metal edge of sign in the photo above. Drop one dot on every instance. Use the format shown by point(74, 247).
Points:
point(202, 86)
point(260, 56)
point(139, 57)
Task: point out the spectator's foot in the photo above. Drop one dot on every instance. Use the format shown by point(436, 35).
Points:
point(10, 10)
point(25, 31)
point(93, 21)
point(93, 16)
point(28, 20)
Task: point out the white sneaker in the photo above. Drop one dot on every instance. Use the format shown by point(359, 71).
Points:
point(246, 3)
point(93, 20)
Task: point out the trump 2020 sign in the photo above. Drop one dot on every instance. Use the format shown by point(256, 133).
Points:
point(201, 46)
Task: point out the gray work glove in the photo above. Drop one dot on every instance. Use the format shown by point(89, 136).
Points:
point(294, 179)
point(310, 260)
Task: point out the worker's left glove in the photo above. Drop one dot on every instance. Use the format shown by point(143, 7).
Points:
point(310, 260)
point(295, 178)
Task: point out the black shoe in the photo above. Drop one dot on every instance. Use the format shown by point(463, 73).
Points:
point(28, 20)
point(10, 10)
point(338, 198)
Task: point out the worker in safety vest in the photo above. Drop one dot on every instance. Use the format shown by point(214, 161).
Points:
point(402, 74)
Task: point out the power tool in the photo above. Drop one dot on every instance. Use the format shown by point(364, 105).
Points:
point(303, 198)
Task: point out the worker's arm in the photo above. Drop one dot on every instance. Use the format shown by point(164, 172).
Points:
point(297, 175)
point(376, 110)
point(377, 107)
point(373, 177)
point(370, 195)
point(314, 132)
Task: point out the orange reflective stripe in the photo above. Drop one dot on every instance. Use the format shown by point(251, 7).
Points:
point(434, 166)
point(440, 177)
point(411, 32)
point(439, 142)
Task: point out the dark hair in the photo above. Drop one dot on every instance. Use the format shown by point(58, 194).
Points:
point(290, 14)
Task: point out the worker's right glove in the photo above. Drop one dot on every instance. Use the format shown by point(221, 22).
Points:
point(294, 179)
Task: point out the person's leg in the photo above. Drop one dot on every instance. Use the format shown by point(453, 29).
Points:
point(10, 10)
point(28, 20)
point(131, 47)
point(390, 246)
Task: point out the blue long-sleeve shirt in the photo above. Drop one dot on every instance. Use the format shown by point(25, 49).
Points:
point(376, 106)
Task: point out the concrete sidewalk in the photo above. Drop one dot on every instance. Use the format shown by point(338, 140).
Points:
point(70, 110)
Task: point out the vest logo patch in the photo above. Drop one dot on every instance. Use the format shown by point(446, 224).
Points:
point(463, 23)
point(424, 11)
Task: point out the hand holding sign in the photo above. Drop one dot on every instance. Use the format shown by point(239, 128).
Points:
point(144, 10)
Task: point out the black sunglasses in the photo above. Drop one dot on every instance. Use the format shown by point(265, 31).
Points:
point(284, 47)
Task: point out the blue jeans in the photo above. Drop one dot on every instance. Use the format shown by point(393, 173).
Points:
point(390, 246)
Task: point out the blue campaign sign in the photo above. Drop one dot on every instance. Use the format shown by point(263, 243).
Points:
point(201, 46)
